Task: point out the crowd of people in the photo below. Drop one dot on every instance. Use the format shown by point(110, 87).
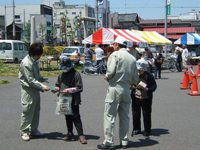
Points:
point(131, 79)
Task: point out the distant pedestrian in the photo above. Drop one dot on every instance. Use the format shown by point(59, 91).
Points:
point(121, 73)
point(148, 56)
point(31, 86)
point(132, 49)
point(99, 56)
point(88, 53)
point(178, 61)
point(185, 55)
point(69, 83)
point(159, 58)
point(142, 96)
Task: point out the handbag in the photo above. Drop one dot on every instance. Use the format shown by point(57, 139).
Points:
point(64, 105)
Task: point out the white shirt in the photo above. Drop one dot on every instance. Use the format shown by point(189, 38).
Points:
point(99, 53)
point(185, 54)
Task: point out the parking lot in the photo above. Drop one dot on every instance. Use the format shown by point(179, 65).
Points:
point(175, 118)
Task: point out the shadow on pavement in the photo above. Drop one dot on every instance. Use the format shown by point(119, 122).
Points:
point(60, 136)
point(141, 143)
point(147, 141)
point(92, 137)
point(54, 136)
point(159, 132)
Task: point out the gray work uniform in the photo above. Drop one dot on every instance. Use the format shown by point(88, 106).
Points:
point(29, 76)
point(121, 73)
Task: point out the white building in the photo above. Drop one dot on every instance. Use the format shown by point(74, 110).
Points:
point(80, 20)
point(193, 15)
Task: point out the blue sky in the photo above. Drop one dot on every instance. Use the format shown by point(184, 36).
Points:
point(147, 9)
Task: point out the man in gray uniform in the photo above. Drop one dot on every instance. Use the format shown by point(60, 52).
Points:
point(121, 73)
point(31, 86)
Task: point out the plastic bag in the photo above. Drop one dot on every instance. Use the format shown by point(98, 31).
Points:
point(64, 105)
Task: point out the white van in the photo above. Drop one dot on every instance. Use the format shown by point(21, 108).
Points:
point(12, 50)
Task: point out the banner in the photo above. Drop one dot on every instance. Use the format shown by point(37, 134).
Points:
point(168, 7)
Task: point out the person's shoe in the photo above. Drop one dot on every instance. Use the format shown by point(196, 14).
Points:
point(146, 133)
point(25, 137)
point(135, 132)
point(124, 146)
point(103, 146)
point(69, 137)
point(82, 139)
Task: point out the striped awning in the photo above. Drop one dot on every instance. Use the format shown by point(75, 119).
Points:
point(189, 39)
point(153, 37)
point(108, 35)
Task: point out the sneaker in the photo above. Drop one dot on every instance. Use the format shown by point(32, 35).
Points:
point(82, 139)
point(25, 137)
point(69, 137)
point(124, 146)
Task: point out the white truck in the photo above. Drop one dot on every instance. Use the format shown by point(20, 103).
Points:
point(12, 50)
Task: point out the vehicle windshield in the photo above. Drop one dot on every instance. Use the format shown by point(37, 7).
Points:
point(69, 50)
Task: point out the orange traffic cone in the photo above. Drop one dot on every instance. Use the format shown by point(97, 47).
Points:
point(191, 73)
point(185, 70)
point(198, 70)
point(194, 91)
point(185, 83)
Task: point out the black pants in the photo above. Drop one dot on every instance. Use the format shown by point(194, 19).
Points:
point(74, 119)
point(145, 106)
point(179, 66)
point(98, 68)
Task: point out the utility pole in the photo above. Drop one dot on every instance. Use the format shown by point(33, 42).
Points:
point(13, 19)
point(166, 18)
point(24, 20)
point(166, 26)
point(5, 24)
point(97, 14)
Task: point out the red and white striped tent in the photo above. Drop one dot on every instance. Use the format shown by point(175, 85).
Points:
point(108, 35)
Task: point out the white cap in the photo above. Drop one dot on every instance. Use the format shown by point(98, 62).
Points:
point(121, 40)
point(140, 50)
point(141, 64)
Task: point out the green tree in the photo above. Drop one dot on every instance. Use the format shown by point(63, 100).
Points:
point(26, 33)
point(42, 32)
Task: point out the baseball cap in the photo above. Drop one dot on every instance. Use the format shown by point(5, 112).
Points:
point(129, 44)
point(142, 64)
point(121, 40)
point(66, 63)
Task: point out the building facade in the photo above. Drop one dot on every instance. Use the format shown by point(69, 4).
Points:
point(124, 21)
point(22, 16)
point(73, 22)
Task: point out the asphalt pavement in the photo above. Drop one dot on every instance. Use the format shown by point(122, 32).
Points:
point(175, 118)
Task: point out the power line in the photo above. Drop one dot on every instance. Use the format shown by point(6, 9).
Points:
point(158, 7)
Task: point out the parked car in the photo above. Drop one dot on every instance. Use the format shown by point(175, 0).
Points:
point(75, 53)
point(12, 50)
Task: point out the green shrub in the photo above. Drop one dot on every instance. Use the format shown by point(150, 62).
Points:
point(52, 50)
